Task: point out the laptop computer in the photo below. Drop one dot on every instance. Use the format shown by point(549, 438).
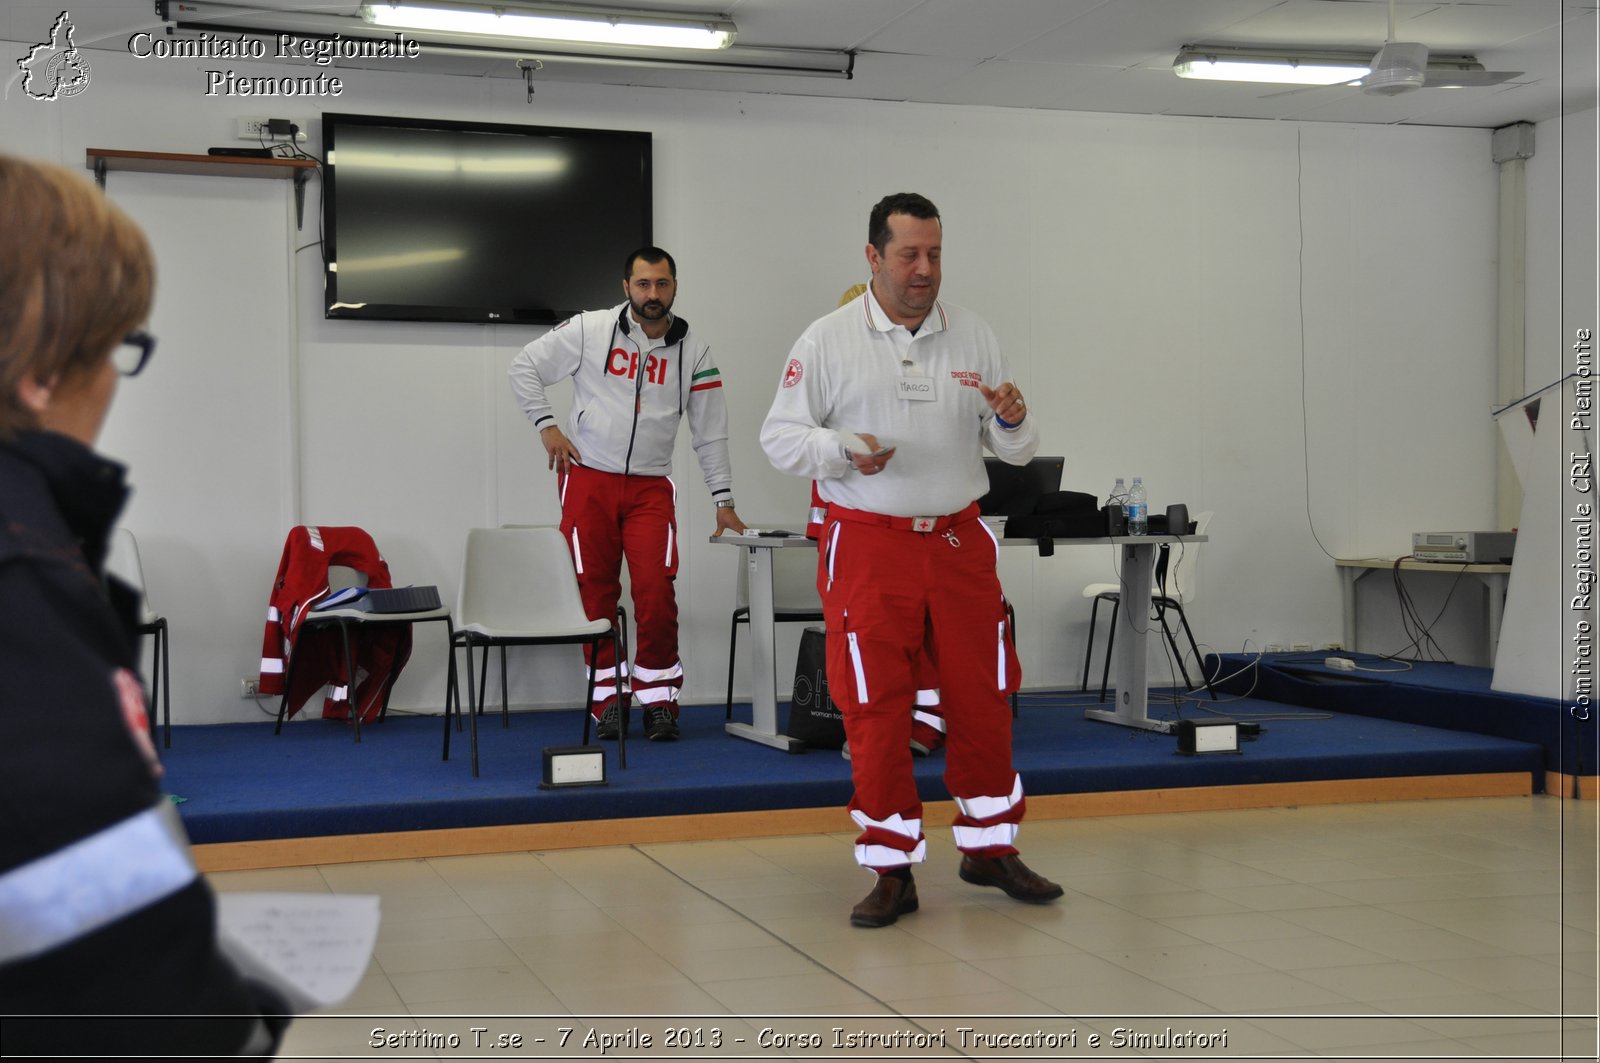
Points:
point(1014, 490)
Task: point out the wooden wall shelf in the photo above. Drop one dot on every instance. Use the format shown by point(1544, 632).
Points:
point(103, 160)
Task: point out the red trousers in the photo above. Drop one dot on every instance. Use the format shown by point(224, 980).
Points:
point(607, 517)
point(888, 592)
point(927, 725)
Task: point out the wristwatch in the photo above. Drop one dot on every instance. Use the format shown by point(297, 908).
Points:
point(724, 503)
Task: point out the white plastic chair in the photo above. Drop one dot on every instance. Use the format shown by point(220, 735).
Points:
point(794, 599)
point(518, 588)
point(1170, 595)
point(122, 561)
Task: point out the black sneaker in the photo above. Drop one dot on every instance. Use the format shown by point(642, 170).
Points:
point(659, 726)
point(610, 724)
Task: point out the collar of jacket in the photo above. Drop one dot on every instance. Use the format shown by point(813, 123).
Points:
point(88, 490)
point(675, 332)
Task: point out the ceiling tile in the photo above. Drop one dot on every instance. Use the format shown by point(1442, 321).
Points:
point(1121, 34)
point(814, 23)
point(961, 28)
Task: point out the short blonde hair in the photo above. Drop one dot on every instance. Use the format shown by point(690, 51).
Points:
point(851, 292)
point(77, 275)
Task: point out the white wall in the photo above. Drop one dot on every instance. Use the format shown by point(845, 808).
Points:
point(1144, 274)
point(1561, 244)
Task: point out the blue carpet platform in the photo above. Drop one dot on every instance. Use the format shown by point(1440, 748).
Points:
point(1450, 696)
point(241, 783)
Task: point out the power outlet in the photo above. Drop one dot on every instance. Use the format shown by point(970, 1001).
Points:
point(250, 687)
point(1301, 647)
point(256, 129)
point(1275, 647)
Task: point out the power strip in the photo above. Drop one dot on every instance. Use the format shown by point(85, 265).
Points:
point(1340, 664)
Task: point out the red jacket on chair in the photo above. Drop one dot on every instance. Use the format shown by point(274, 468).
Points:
point(317, 654)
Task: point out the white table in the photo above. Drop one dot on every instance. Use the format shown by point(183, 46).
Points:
point(1133, 691)
point(1495, 580)
point(763, 725)
point(1136, 574)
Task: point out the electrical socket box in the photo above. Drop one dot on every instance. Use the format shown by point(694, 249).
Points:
point(1301, 647)
point(259, 129)
point(1275, 647)
point(1212, 735)
point(573, 766)
point(250, 687)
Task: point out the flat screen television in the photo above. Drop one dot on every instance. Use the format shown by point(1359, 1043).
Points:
point(428, 220)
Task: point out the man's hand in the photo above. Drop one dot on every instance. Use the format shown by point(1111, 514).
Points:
point(1006, 402)
point(728, 520)
point(876, 457)
point(563, 455)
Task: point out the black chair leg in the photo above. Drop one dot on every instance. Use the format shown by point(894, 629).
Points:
point(483, 676)
point(452, 687)
point(452, 695)
point(472, 708)
point(1011, 631)
point(505, 699)
point(733, 648)
point(624, 706)
point(160, 681)
point(1111, 642)
point(350, 679)
point(460, 724)
point(621, 638)
point(1161, 615)
point(1088, 651)
point(283, 699)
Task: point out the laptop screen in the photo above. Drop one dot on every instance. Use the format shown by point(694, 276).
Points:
point(1014, 490)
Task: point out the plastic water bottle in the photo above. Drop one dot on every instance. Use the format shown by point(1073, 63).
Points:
point(1119, 494)
point(1138, 509)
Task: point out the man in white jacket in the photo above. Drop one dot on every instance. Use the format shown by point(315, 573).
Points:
point(888, 403)
point(636, 371)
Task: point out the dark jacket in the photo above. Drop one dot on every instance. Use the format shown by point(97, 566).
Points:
point(72, 771)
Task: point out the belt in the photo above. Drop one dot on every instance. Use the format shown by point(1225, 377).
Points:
point(916, 524)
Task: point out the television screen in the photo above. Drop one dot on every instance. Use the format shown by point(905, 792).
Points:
point(471, 221)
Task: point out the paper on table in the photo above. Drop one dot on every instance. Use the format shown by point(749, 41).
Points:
point(312, 947)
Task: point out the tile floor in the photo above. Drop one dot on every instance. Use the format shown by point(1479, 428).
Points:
point(1456, 929)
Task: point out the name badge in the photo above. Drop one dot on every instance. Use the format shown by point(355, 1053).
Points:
point(915, 388)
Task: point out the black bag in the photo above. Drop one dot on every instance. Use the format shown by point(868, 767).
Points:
point(813, 718)
point(1059, 515)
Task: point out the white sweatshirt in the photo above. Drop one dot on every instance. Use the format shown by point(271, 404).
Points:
point(629, 393)
point(855, 371)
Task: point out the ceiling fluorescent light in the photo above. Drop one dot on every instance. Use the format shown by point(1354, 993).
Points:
point(1280, 67)
point(626, 28)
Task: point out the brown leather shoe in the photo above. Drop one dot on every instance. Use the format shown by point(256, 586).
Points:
point(891, 897)
point(1010, 874)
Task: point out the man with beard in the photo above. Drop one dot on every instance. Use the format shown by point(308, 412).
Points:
point(636, 370)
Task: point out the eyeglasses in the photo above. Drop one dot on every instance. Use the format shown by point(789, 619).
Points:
point(133, 352)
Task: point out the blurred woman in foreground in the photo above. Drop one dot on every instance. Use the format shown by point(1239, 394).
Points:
point(108, 941)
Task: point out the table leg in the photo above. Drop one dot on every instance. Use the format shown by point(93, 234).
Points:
point(763, 726)
point(1133, 626)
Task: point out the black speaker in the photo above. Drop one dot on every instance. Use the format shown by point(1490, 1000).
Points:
point(1178, 519)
